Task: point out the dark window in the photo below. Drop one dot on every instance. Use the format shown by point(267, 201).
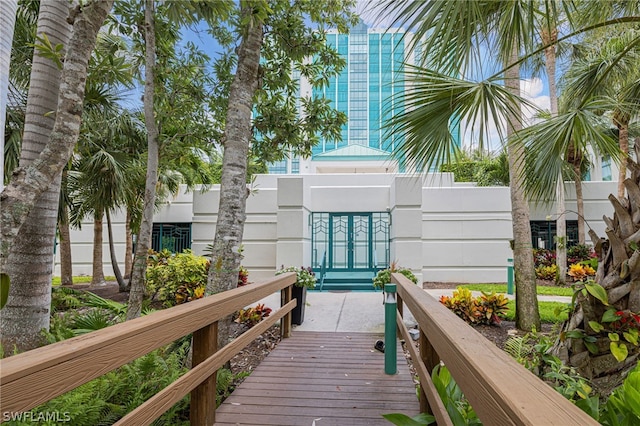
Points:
point(543, 233)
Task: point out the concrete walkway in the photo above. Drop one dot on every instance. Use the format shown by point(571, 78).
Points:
point(358, 311)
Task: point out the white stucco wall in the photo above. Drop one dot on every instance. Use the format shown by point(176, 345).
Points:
point(442, 230)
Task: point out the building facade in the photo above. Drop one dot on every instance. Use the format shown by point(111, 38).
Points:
point(366, 91)
point(351, 225)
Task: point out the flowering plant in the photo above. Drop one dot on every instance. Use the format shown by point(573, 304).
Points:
point(306, 276)
point(579, 271)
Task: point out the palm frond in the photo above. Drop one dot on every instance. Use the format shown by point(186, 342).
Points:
point(547, 142)
point(435, 102)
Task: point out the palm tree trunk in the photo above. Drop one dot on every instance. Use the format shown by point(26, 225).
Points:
point(27, 184)
point(30, 263)
point(549, 38)
point(122, 286)
point(623, 141)
point(8, 10)
point(98, 269)
point(580, 204)
point(146, 227)
point(226, 253)
point(128, 250)
point(527, 314)
point(66, 265)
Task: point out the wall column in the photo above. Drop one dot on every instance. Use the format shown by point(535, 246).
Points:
point(293, 247)
point(406, 223)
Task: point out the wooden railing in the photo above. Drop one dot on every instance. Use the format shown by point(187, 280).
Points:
point(32, 378)
point(501, 391)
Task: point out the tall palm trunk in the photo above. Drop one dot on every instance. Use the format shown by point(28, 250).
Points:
point(30, 263)
point(580, 203)
point(226, 254)
point(146, 227)
point(66, 266)
point(622, 123)
point(8, 10)
point(527, 315)
point(97, 265)
point(27, 184)
point(549, 38)
point(128, 250)
point(112, 254)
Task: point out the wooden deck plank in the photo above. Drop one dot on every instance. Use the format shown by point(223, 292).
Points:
point(322, 378)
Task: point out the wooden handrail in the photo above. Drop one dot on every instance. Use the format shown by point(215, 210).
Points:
point(501, 391)
point(34, 377)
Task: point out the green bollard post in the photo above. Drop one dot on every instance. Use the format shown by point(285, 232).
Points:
point(390, 348)
point(510, 276)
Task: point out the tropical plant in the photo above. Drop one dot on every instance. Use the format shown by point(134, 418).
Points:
point(458, 407)
point(252, 316)
point(548, 273)
point(384, 276)
point(488, 308)
point(176, 279)
point(305, 277)
point(451, 36)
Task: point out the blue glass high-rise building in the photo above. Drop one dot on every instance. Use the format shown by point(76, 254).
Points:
point(366, 92)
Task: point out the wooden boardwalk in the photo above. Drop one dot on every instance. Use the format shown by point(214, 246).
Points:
point(318, 378)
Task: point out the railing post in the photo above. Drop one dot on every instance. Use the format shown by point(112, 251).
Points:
point(285, 322)
point(390, 327)
point(203, 397)
point(400, 308)
point(509, 276)
point(430, 358)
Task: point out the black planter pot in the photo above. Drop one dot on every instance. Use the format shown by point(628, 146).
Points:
point(297, 314)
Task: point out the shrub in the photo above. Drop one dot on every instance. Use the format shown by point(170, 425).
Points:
point(384, 277)
point(580, 253)
point(252, 316)
point(243, 276)
point(306, 276)
point(543, 257)
point(488, 308)
point(177, 279)
point(545, 272)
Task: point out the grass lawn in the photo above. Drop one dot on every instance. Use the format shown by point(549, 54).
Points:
point(80, 280)
point(547, 311)
point(502, 288)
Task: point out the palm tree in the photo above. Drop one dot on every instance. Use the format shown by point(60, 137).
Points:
point(28, 184)
point(7, 21)
point(454, 33)
point(30, 264)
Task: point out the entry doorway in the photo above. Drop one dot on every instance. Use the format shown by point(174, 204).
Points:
point(350, 242)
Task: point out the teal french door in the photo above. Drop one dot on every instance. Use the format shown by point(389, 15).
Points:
point(350, 245)
point(350, 241)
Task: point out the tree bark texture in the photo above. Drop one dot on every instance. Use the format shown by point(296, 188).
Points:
point(226, 256)
point(30, 263)
point(8, 10)
point(623, 141)
point(27, 184)
point(527, 315)
point(136, 294)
